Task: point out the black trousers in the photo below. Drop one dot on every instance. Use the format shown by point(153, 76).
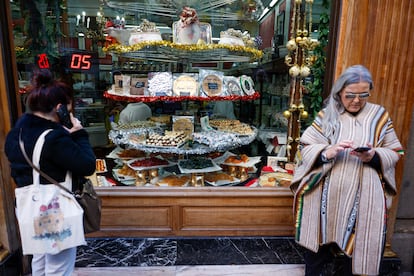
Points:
point(327, 262)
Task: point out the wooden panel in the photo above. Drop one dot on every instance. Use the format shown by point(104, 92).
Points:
point(136, 216)
point(234, 217)
point(379, 34)
point(131, 211)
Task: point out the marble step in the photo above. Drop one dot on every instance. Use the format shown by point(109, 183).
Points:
point(203, 270)
point(200, 256)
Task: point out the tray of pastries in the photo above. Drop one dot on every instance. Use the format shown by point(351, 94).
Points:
point(275, 179)
point(121, 153)
point(147, 163)
point(101, 166)
point(168, 139)
point(232, 126)
point(172, 180)
point(125, 175)
point(220, 179)
point(198, 165)
point(241, 160)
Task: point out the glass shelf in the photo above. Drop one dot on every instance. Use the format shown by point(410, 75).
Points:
point(122, 138)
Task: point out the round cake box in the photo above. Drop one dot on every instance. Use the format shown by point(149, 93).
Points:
point(231, 40)
point(122, 35)
point(138, 37)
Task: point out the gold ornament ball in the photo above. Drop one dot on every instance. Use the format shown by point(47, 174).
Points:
point(294, 71)
point(298, 40)
point(297, 139)
point(288, 147)
point(293, 108)
point(305, 32)
point(291, 45)
point(304, 114)
point(290, 140)
point(301, 107)
point(299, 32)
point(305, 71)
point(286, 114)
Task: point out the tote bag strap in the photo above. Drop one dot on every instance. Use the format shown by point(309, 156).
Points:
point(35, 163)
point(36, 154)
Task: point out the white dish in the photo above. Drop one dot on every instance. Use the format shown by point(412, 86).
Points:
point(130, 164)
point(250, 163)
point(212, 168)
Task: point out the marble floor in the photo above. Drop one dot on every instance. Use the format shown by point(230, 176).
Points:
point(199, 256)
point(204, 270)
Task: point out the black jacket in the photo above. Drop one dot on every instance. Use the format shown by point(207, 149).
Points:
point(61, 152)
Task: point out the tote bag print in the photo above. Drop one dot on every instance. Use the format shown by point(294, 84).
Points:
point(50, 219)
point(49, 224)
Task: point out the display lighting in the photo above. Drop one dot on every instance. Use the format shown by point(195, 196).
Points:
point(273, 3)
point(300, 59)
point(86, 27)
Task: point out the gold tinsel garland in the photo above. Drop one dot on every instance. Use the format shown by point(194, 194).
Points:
point(254, 54)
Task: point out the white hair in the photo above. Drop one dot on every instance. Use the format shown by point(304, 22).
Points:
point(334, 106)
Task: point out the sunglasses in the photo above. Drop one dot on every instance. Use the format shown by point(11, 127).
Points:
point(361, 96)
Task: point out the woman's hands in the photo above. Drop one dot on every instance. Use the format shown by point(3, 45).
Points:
point(332, 151)
point(75, 122)
point(365, 156)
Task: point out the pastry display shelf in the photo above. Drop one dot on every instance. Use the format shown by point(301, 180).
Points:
point(130, 98)
point(121, 137)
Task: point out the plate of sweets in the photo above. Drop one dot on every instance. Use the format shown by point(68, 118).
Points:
point(101, 166)
point(172, 180)
point(121, 153)
point(198, 165)
point(147, 163)
point(220, 179)
point(275, 179)
point(125, 174)
point(241, 160)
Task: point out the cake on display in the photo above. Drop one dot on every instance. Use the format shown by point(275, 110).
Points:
point(238, 38)
point(189, 30)
point(147, 31)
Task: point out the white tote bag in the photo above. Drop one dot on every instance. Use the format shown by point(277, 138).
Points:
point(50, 219)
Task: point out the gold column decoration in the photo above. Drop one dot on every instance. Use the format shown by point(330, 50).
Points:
point(299, 59)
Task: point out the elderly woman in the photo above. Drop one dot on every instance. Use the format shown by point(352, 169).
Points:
point(340, 191)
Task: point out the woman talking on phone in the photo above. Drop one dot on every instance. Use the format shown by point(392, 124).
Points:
point(66, 148)
point(346, 175)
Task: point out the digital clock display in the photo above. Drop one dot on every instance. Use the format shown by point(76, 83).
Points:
point(81, 61)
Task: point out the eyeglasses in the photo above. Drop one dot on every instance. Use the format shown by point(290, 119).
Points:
point(361, 96)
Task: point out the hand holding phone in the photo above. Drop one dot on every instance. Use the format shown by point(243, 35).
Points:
point(64, 116)
point(362, 149)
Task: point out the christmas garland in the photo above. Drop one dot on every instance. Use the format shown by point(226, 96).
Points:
point(253, 53)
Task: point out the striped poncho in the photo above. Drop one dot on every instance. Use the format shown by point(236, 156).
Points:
point(345, 201)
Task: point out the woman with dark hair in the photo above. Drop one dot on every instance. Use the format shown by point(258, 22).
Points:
point(65, 149)
point(345, 178)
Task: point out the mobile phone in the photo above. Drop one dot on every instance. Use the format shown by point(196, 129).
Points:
point(64, 117)
point(362, 149)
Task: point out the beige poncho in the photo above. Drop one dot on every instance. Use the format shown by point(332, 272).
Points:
point(344, 201)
